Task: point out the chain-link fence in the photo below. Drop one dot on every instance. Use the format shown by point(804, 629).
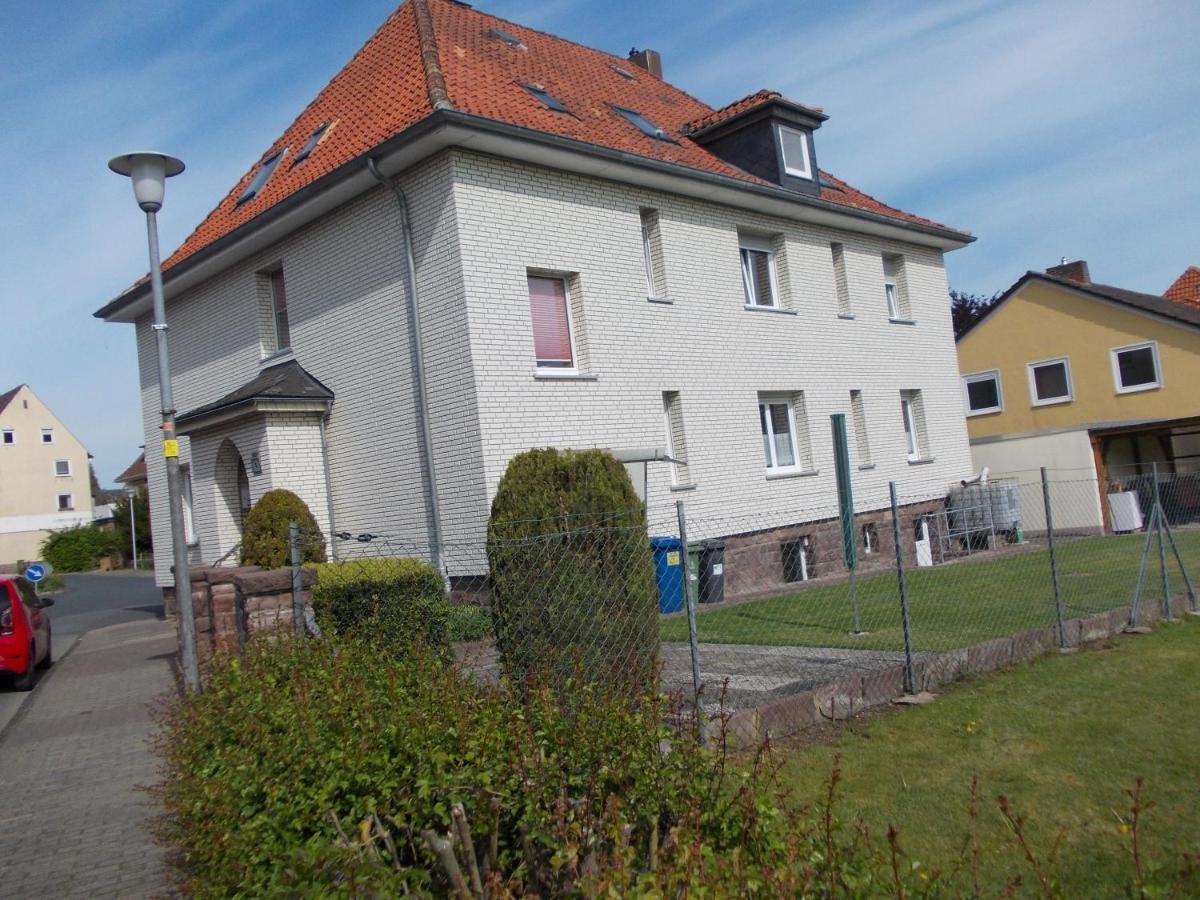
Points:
point(785, 625)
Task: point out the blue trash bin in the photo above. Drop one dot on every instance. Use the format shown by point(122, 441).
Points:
point(668, 572)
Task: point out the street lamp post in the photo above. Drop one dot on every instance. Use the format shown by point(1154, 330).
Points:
point(131, 493)
point(149, 172)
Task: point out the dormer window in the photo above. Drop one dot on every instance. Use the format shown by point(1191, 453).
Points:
point(793, 145)
point(644, 125)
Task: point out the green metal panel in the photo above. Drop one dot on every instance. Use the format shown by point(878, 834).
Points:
point(841, 458)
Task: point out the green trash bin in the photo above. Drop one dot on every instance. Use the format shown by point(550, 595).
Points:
point(695, 551)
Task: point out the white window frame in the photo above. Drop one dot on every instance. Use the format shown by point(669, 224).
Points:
point(680, 455)
point(754, 243)
point(973, 377)
point(66, 474)
point(1054, 401)
point(769, 400)
point(189, 512)
point(650, 219)
point(573, 368)
point(8, 437)
point(70, 507)
point(48, 433)
point(912, 436)
point(1115, 352)
point(806, 172)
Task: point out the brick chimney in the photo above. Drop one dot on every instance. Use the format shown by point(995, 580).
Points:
point(648, 60)
point(1072, 271)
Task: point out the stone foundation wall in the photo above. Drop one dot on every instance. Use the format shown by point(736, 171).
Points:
point(754, 563)
point(232, 605)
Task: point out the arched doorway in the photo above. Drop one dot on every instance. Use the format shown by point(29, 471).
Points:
point(233, 495)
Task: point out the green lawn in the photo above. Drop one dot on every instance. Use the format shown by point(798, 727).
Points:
point(1061, 737)
point(951, 605)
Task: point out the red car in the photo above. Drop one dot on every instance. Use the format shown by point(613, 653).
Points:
point(24, 631)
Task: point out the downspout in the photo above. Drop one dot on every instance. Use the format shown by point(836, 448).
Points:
point(333, 551)
point(422, 392)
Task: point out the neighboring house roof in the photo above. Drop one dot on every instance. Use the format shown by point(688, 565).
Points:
point(7, 397)
point(286, 381)
point(433, 55)
point(135, 473)
point(1186, 288)
point(1150, 303)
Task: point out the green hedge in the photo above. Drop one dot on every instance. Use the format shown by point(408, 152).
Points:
point(396, 602)
point(79, 549)
point(265, 535)
point(571, 573)
point(299, 738)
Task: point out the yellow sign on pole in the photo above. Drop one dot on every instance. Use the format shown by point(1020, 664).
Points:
point(170, 448)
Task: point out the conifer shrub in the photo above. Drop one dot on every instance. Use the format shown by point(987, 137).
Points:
point(394, 602)
point(571, 574)
point(265, 536)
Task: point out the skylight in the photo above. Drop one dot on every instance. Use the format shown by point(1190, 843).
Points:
point(644, 125)
point(511, 39)
point(311, 144)
point(261, 176)
point(547, 98)
point(623, 72)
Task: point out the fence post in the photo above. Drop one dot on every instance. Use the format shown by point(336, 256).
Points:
point(297, 581)
point(1162, 545)
point(909, 681)
point(690, 598)
point(1058, 601)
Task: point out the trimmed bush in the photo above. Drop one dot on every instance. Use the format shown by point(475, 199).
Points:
point(571, 574)
point(79, 549)
point(265, 536)
point(394, 602)
point(273, 770)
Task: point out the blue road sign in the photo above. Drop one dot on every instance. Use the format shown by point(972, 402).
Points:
point(35, 573)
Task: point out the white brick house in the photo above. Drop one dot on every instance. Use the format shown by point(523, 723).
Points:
point(685, 303)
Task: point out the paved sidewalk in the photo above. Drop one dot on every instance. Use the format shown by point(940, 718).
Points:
point(73, 821)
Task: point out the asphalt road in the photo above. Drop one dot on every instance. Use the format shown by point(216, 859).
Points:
point(90, 601)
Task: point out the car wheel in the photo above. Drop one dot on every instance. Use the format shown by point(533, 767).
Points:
point(48, 659)
point(24, 681)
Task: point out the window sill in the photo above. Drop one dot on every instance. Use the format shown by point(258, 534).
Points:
point(665, 301)
point(866, 467)
point(678, 488)
point(984, 412)
point(921, 461)
point(769, 309)
point(1057, 401)
point(848, 317)
point(274, 359)
point(1138, 388)
point(552, 375)
point(790, 473)
point(897, 321)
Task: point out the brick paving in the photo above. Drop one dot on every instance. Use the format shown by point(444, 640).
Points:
point(73, 818)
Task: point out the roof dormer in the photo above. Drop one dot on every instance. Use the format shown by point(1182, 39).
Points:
point(766, 135)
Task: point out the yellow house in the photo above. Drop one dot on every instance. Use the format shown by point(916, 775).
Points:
point(1094, 382)
point(45, 484)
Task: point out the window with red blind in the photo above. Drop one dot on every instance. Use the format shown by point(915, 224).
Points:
point(551, 322)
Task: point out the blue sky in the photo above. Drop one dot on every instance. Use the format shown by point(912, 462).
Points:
point(1047, 129)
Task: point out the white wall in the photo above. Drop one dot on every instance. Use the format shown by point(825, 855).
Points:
point(1071, 471)
point(705, 345)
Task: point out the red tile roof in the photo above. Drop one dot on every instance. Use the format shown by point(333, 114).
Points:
point(396, 80)
point(1186, 288)
point(135, 473)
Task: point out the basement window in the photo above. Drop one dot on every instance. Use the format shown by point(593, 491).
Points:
point(311, 144)
point(644, 125)
point(511, 39)
point(260, 177)
point(548, 99)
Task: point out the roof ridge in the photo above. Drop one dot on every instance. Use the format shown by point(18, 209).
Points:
point(431, 63)
point(620, 60)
